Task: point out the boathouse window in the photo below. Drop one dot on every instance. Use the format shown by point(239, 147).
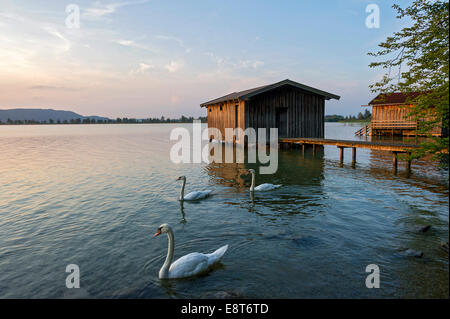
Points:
point(210, 109)
point(221, 107)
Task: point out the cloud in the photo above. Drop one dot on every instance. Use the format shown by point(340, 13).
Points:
point(52, 31)
point(30, 45)
point(174, 66)
point(143, 67)
point(133, 44)
point(232, 64)
point(100, 10)
point(128, 43)
point(251, 64)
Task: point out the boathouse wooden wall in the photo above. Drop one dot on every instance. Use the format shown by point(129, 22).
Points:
point(391, 115)
point(305, 112)
point(223, 115)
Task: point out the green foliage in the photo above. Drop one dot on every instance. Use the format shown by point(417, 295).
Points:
point(419, 55)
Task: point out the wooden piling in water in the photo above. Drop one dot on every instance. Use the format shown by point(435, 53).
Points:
point(395, 148)
point(342, 154)
point(394, 161)
point(408, 163)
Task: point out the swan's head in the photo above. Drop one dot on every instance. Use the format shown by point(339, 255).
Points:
point(251, 171)
point(162, 229)
point(181, 178)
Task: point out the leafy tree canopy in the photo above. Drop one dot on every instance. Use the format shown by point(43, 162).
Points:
point(417, 59)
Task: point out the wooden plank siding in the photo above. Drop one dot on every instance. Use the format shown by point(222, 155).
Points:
point(305, 112)
point(392, 116)
point(226, 117)
point(395, 117)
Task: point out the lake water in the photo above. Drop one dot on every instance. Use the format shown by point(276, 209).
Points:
point(94, 195)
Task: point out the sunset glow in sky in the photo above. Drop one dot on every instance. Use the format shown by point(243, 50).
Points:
point(143, 58)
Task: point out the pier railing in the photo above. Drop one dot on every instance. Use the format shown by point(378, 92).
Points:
point(364, 131)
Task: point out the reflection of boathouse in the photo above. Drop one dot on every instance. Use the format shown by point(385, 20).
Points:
point(295, 109)
point(294, 168)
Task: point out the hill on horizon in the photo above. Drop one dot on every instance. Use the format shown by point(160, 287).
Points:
point(40, 115)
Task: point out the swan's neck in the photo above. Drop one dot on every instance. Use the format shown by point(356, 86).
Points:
point(252, 187)
point(182, 189)
point(164, 272)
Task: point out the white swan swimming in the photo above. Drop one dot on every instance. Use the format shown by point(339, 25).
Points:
point(262, 187)
point(188, 265)
point(196, 195)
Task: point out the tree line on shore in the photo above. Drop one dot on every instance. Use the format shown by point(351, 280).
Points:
point(361, 117)
point(183, 119)
point(124, 120)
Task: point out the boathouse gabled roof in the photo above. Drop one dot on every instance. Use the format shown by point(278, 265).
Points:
point(394, 98)
point(247, 94)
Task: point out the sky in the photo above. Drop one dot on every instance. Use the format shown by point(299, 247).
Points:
point(148, 58)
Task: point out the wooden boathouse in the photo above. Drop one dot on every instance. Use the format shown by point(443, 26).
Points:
point(297, 110)
point(390, 116)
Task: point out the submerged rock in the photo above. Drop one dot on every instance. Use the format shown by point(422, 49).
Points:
point(305, 241)
point(422, 229)
point(412, 253)
point(444, 246)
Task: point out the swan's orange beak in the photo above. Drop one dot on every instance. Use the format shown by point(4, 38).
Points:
point(157, 233)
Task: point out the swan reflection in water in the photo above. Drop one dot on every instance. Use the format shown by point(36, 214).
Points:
point(252, 201)
point(183, 216)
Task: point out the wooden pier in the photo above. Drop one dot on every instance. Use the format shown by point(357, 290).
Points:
point(395, 148)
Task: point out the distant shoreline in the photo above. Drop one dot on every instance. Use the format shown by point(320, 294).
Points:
point(350, 121)
point(23, 124)
point(174, 122)
point(21, 116)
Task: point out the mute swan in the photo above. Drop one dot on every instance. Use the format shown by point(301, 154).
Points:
point(262, 187)
point(189, 265)
point(197, 195)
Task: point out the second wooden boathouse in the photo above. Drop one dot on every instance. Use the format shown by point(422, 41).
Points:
point(390, 116)
point(297, 110)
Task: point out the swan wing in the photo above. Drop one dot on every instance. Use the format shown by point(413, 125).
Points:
point(197, 195)
point(188, 265)
point(266, 187)
point(216, 256)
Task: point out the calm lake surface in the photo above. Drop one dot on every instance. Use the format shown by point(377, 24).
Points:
point(94, 195)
